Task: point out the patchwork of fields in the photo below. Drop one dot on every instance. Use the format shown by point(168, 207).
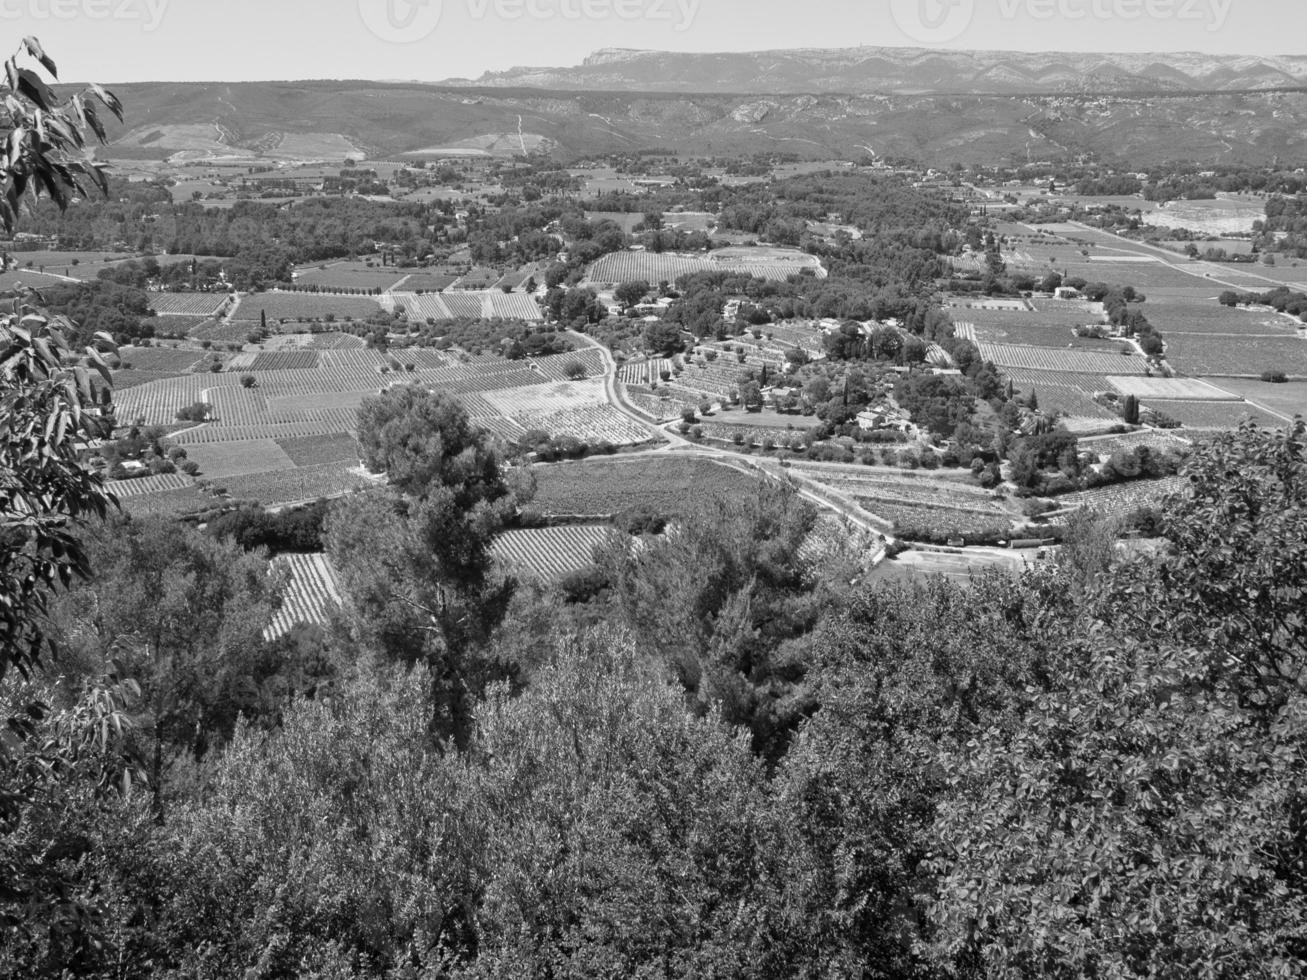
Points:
point(281, 422)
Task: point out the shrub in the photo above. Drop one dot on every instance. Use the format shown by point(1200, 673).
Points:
point(247, 381)
point(1274, 377)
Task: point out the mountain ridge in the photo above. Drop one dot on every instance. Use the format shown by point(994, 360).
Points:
point(873, 70)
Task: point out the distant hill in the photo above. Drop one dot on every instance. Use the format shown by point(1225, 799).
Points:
point(329, 120)
point(874, 70)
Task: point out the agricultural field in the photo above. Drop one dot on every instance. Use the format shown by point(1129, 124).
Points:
point(1287, 399)
point(771, 264)
point(959, 568)
point(1154, 439)
point(557, 397)
point(312, 450)
point(188, 304)
point(1024, 379)
point(894, 488)
point(349, 275)
point(426, 280)
point(602, 488)
point(594, 425)
point(29, 279)
point(123, 489)
point(221, 461)
point(1210, 317)
point(648, 373)
point(1220, 356)
point(471, 305)
point(158, 360)
point(304, 483)
point(1214, 415)
point(657, 407)
point(312, 593)
point(1071, 402)
point(548, 554)
point(1066, 361)
point(283, 360)
point(304, 307)
point(1125, 497)
point(555, 368)
point(217, 331)
point(1187, 389)
point(168, 503)
point(919, 520)
point(1030, 329)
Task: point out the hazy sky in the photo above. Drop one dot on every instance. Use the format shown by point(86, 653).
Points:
point(232, 40)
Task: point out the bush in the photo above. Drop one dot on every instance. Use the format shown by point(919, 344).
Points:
point(1275, 377)
point(574, 370)
point(247, 381)
point(189, 467)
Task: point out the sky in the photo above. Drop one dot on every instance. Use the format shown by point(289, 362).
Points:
point(429, 40)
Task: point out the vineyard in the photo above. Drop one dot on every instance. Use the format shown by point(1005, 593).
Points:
point(591, 425)
point(1154, 440)
point(312, 593)
point(283, 360)
point(1125, 497)
point(556, 368)
point(551, 553)
point(123, 489)
point(567, 395)
point(657, 407)
point(648, 373)
point(311, 450)
point(470, 305)
point(1073, 361)
point(773, 264)
point(188, 304)
point(305, 306)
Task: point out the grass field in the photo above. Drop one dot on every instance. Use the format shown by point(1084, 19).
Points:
point(603, 488)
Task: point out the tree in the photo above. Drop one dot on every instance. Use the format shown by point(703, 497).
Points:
point(1130, 412)
point(422, 582)
point(630, 293)
point(751, 396)
point(424, 441)
point(182, 615)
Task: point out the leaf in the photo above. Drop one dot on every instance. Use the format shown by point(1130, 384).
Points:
point(32, 86)
point(36, 51)
point(109, 99)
